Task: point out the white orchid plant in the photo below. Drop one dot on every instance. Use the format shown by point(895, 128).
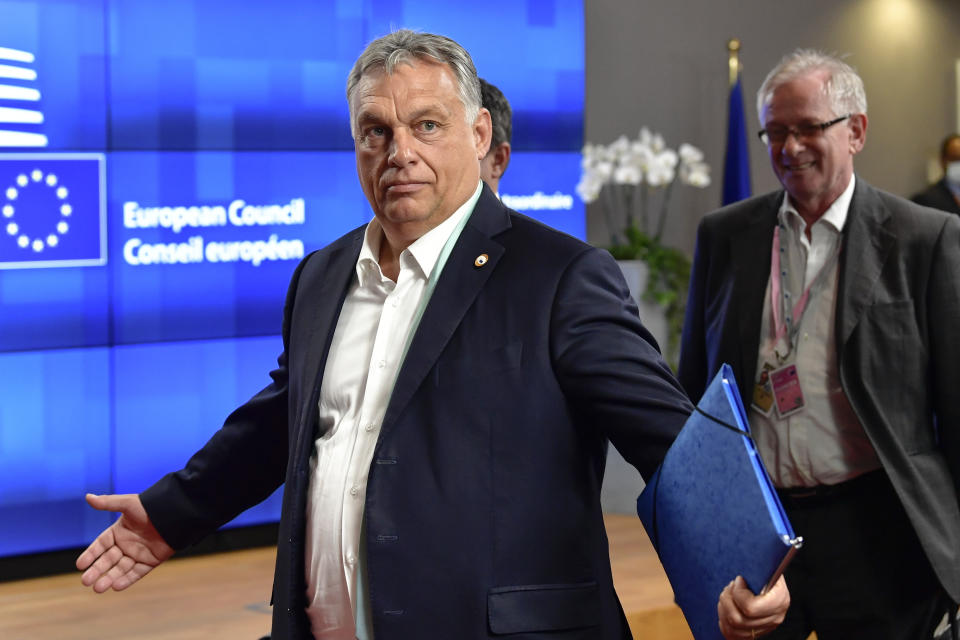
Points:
point(623, 174)
point(628, 177)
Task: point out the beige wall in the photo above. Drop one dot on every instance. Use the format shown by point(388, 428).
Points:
point(663, 64)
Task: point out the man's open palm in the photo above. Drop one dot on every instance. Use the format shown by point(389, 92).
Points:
point(125, 551)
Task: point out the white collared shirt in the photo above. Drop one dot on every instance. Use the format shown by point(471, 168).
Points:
point(377, 319)
point(825, 443)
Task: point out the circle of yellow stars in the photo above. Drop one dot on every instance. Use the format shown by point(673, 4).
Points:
point(8, 211)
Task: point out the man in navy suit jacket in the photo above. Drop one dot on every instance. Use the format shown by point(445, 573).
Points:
point(442, 467)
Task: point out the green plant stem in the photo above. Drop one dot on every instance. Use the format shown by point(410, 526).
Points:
point(645, 206)
point(664, 204)
point(667, 281)
point(628, 202)
point(608, 203)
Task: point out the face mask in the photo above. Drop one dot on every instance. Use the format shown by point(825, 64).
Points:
point(953, 174)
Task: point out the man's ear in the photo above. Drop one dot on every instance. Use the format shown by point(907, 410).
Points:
point(482, 132)
point(501, 158)
point(858, 135)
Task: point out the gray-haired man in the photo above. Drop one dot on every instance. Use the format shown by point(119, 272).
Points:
point(836, 304)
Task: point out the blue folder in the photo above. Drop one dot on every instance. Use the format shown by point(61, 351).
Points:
point(712, 512)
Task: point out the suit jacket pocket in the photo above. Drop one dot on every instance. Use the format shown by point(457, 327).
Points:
point(543, 607)
point(889, 354)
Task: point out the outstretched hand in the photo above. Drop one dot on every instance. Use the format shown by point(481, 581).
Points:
point(744, 615)
point(125, 551)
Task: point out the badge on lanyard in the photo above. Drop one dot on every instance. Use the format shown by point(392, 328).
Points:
point(763, 391)
point(787, 394)
point(779, 386)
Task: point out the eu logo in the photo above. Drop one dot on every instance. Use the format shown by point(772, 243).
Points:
point(52, 210)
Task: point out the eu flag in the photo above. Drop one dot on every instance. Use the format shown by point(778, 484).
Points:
point(51, 210)
point(736, 164)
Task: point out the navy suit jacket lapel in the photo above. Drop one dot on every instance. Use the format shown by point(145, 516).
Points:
point(458, 286)
point(325, 304)
point(750, 252)
point(866, 246)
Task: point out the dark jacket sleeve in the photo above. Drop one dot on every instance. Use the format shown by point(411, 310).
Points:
point(608, 365)
point(239, 467)
point(943, 311)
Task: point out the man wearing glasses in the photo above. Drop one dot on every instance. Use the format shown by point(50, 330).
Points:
point(837, 305)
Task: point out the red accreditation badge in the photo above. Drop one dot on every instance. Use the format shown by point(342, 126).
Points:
point(787, 394)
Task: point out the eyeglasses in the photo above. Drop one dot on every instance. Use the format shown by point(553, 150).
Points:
point(778, 134)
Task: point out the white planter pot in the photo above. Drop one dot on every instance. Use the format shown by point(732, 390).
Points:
point(651, 314)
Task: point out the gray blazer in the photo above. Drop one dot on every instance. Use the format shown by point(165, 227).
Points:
point(897, 348)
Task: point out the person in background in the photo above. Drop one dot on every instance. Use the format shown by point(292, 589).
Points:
point(451, 375)
point(836, 305)
point(494, 164)
point(945, 193)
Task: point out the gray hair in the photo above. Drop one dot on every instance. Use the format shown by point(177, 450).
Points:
point(406, 46)
point(843, 87)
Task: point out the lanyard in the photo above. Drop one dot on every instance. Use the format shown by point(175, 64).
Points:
point(789, 326)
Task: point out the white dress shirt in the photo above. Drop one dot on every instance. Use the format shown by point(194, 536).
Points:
point(370, 340)
point(825, 442)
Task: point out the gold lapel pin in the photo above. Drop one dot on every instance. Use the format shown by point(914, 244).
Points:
point(481, 260)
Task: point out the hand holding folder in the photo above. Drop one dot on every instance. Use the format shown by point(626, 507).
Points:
point(712, 512)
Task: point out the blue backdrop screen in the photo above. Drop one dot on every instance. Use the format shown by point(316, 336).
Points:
point(163, 168)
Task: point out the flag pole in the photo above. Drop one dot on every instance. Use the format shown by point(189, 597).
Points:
point(733, 53)
point(736, 161)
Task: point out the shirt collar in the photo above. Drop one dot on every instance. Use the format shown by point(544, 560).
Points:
point(424, 252)
point(835, 215)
